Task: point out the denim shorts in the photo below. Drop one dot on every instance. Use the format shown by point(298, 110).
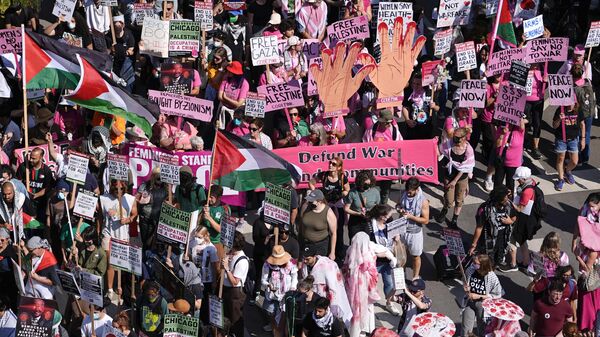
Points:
point(572, 145)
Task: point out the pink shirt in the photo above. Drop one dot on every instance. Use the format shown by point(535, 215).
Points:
point(488, 112)
point(382, 134)
point(234, 88)
point(272, 31)
point(181, 135)
point(537, 86)
point(514, 153)
point(239, 130)
point(305, 141)
point(70, 121)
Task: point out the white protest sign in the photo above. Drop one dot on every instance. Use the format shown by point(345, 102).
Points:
point(538, 263)
point(593, 37)
point(533, 27)
point(77, 168)
point(85, 204)
point(396, 227)
point(68, 282)
point(264, 50)
point(454, 242)
point(118, 167)
point(466, 58)
point(228, 226)
point(110, 331)
point(398, 278)
point(255, 105)
point(90, 286)
point(155, 37)
point(443, 41)
point(169, 169)
point(64, 8)
point(453, 13)
point(529, 85)
point(215, 310)
point(389, 11)
point(141, 11)
point(203, 13)
point(472, 94)
point(125, 256)
point(560, 90)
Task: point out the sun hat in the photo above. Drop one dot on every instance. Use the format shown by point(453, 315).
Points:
point(279, 256)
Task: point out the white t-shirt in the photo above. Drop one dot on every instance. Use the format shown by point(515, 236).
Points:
point(112, 224)
point(240, 271)
point(97, 17)
point(204, 256)
point(99, 326)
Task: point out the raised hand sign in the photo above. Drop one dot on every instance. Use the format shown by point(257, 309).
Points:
point(397, 61)
point(335, 82)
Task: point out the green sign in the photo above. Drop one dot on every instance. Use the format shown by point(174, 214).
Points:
point(277, 205)
point(177, 325)
point(174, 224)
point(184, 38)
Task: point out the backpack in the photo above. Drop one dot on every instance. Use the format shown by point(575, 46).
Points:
point(295, 306)
point(540, 209)
point(586, 99)
point(248, 286)
point(376, 126)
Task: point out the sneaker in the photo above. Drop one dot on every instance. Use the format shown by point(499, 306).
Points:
point(489, 185)
point(558, 185)
point(536, 154)
point(268, 328)
point(442, 215)
point(569, 178)
point(506, 268)
point(392, 309)
point(453, 224)
point(113, 297)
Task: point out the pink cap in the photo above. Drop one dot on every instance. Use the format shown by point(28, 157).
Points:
point(579, 49)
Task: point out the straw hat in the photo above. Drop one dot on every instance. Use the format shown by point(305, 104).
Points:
point(279, 256)
point(180, 306)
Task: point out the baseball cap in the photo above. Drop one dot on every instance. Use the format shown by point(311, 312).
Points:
point(386, 115)
point(416, 285)
point(522, 172)
point(315, 195)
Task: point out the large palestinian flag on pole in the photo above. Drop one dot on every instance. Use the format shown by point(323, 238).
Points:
point(98, 94)
point(505, 30)
point(243, 165)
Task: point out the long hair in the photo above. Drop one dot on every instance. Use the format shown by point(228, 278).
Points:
point(551, 247)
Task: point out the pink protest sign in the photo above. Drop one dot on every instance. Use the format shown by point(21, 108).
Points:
point(282, 95)
point(472, 94)
point(387, 160)
point(311, 48)
point(549, 49)
point(500, 61)
point(510, 104)
point(429, 72)
point(184, 106)
point(312, 84)
point(560, 90)
point(347, 30)
point(10, 41)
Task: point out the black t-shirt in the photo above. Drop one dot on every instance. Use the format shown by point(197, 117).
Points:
point(332, 190)
point(62, 32)
point(17, 19)
point(262, 13)
point(38, 179)
point(312, 330)
point(571, 120)
point(477, 284)
point(123, 43)
point(291, 246)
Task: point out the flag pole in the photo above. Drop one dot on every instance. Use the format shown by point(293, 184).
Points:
point(496, 24)
point(212, 164)
point(25, 117)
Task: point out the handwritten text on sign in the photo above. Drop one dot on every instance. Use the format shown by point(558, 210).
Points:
point(264, 50)
point(10, 41)
point(510, 105)
point(466, 58)
point(533, 27)
point(255, 105)
point(282, 95)
point(560, 90)
point(453, 13)
point(454, 242)
point(593, 37)
point(181, 105)
point(500, 61)
point(348, 30)
point(64, 8)
point(389, 11)
point(472, 94)
point(155, 37)
point(550, 49)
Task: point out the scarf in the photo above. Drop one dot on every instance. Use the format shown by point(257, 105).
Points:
point(279, 276)
point(589, 214)
point(235, 31)
point(101, 151)
point(324, 322)
point(521, 188)
point(14, 218)
point(466, 166)
point(413, 205)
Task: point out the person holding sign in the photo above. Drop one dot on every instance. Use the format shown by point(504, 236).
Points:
point(236, 266)
point(414, 302)
point(534, 106)
point(509, 152)
point(93, 258)
point(98, 19)
point(577, 58)
point(204, 255)
point(540, 283)
point(361, 199)
point(569, 125)
point(119, 210)
point(212, 214)
point(40, 181)
point(42, 277)
point(294, 61)
point(151, 309)
point(418, 108)
point(74, 29)
point(102, 321)
point(586, 99)
point(189, 195)
point(232, 92)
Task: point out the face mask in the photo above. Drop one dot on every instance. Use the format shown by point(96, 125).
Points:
point(233, 19)
point(152, 299)
point(218, 43)
point(61, 196)
point(476, 266)
point(96, 316)
point(71, 25)
point(237, 122)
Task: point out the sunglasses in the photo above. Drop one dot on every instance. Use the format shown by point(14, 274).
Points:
point(253, 129)
point(294, 114)
point(333, 163)
point(169, 8)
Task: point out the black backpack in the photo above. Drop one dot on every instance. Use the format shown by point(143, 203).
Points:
point(540, 209)
point(295, 306)
point(248, 286)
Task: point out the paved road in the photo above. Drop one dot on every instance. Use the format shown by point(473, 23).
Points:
point(563, 207)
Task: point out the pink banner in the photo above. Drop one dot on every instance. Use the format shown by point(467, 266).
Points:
point(549, 49)
point(560, 90)
point(510, 104)
point(282, 95)
point(500, 61)
point(60, 147)
point(181, 105)
point(387, 160)
point(348, 30)
point(143, 158)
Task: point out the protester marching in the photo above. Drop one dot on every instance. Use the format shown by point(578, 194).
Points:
point(186, 168)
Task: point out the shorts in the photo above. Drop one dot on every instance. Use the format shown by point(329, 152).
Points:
point(572, 145)
point(414, 243)
point(272, 307)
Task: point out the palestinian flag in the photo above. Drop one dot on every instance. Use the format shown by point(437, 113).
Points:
point(504, 29)
point(98, 93)
point(243, 165)
point(45, 69)
point(30, 222)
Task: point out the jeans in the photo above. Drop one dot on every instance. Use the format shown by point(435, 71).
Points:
point(385, 270)
point(472, 313)
point(584, 155)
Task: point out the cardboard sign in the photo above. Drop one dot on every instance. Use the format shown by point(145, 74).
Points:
point(466, 58)
point(312, 89)
point(35, 310)
point(264, 50)
point(429, 72)
point(398, 278)
point(533, 27)
point(11, 41)
point(255, 105)
point(64, 8)
point(68, 282)
point(125, 256)
point(388, 12)
point(176, 325)
point(454, 242)
point(174, 224)
point(277, 205)
point(519, 71)
point(118, 167)
point(453, 13)
point(203, 14)
point(442, 41)
point(396, 227)
point(356, 28)
point(500, 61)
point(141, 11)
point(282, 95)
point(228, 226)
point(215, 311)
point(526, 9)
point(184, 37)
point(183, 106)
point(85, 204)
point(510, 105)
point(560, 90)
point(549, 49)
point(155, 38)
point(472, 94)
point(90, 286)
point(593, 37)
point(169, 169)
point(77, 168)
